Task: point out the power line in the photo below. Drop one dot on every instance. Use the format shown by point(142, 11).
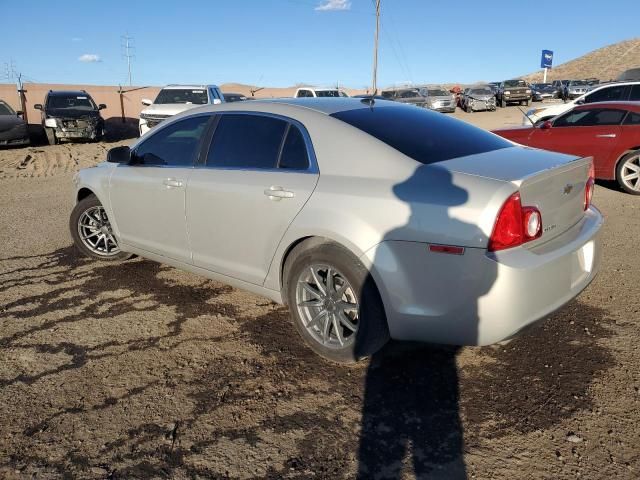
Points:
point(127, 48)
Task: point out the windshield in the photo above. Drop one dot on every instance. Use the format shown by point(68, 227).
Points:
point(423, 135)
point(72, 101)
point(481, 91)
point(179, 95)
point(329, 93)
point(438, 93)
point(6, 109)
point(515, 83)
point(578, 82)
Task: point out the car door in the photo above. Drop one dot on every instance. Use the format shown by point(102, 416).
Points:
point(258, 173)
point(148, 196)
point(585, 132)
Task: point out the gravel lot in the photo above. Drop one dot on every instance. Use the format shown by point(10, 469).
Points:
point(137, 370)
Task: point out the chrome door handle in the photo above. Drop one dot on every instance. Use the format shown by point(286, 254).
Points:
point(606, 135)
point(276, 193)
point(172, 182)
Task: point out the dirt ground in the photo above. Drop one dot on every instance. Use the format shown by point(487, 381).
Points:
point(138, 370)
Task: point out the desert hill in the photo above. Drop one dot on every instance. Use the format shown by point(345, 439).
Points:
point(605, 63)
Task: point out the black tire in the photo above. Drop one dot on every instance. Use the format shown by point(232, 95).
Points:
point(631, 156)
point(469, 108)
point(527, 102)
point(503, 103)
point(82, 206)
point(51, 136)
point(372, 332)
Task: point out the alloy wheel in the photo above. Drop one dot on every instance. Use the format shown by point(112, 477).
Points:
point(95, 232)
point(328, 306)
point(630, 173)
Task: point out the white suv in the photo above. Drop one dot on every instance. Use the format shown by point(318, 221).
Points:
point(610, 92)
point(311, 92)
point(174, 99)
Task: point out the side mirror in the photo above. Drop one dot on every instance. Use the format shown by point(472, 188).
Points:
point(146, 102)
point(102, 106)
point(580, 102)
point(19, 113)
point(38, 106)
point(119, 155)
point(546, 125)
point(217, 101)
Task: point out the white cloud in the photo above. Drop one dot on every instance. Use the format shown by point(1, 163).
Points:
point(328, 5)
point(76, 39)
point(89, 58)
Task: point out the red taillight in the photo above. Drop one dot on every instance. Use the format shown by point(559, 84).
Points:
point(515, 225)
point(588, 188)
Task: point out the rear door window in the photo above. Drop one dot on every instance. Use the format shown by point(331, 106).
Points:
point(633, 118)
point(294, 151)
point(635, 93)
point(607, 94)
point(590, 118)
point(246, 141)
point(175, 145)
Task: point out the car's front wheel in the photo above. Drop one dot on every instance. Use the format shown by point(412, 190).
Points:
point(92, 233)
point(334, 302)
point(51, 136)
point(628, 173)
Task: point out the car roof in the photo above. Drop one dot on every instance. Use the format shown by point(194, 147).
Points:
point(324, 105)
point(633, 106)
point(176, 86)
point(67, 92)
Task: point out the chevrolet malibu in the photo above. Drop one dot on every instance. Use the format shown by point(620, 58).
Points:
point(371, 220)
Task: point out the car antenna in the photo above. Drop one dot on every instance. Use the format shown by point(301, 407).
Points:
point(528, 118)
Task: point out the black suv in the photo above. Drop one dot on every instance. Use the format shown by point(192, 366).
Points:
point(71, 115)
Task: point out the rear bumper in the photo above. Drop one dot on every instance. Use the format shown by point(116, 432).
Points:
point(479, 298)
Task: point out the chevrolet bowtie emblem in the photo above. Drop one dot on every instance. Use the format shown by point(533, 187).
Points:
point(567, 188)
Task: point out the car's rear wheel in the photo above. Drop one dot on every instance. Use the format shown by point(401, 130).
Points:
point(334, 302)
point(91, 231)
point(628, 173)
point(51, 136)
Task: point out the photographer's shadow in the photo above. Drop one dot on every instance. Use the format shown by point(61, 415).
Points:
point(410, 416)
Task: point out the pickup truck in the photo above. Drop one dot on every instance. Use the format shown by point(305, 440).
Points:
point(511, 91)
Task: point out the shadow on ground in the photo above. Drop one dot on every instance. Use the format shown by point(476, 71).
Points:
point(535, 382)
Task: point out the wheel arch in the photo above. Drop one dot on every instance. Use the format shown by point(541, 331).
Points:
point(83, 193)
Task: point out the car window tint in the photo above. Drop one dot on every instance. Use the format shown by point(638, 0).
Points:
point(246, 141)
point(635, 93)
point(173, 145)
point(426, 136)
point(590, 118)
point(294, 151)
point(632, 119)
point(606, 94)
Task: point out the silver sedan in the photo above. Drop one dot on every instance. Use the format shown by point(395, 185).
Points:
point(371, 220)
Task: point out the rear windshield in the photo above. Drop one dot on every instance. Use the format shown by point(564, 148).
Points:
point(427, 137)
point(195, 96)
point(329, 93)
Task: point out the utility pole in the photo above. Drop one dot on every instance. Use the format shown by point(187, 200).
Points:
point(374, 87)
point(127, 47)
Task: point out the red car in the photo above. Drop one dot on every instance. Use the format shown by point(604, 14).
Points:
point(608, 131)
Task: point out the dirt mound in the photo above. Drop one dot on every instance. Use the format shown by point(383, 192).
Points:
point(605, 63)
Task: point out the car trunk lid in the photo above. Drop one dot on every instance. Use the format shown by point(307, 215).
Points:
point(553, 183)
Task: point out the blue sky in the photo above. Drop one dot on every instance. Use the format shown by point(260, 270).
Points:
point(283, 42)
